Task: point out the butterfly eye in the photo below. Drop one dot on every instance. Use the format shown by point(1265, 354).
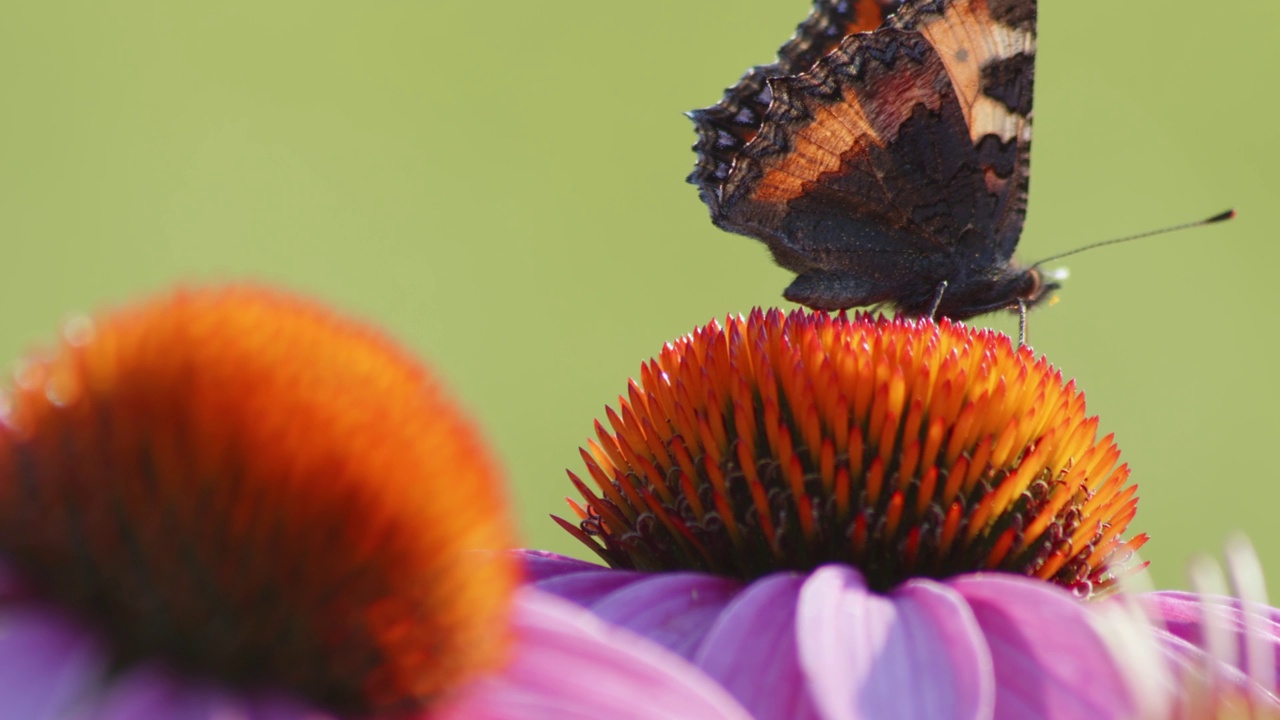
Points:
point(1038, 286)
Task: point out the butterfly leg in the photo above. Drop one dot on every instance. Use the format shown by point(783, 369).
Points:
point(937, 300)
point(1022, 322)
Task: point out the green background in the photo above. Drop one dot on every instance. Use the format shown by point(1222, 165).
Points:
point(501, 185)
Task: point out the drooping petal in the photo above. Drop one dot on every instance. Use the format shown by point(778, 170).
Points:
point(916, 653)
point(675, 609)
point(752, 650)
point(570, 665)
point(1049, 662)
point(541, 565)
point(581, 582)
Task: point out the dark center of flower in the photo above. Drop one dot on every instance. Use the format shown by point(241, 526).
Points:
point(906, 449)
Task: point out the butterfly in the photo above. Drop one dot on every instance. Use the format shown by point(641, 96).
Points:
point(885, 156)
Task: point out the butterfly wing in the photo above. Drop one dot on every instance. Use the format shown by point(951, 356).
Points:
point(724, 128)
point(900, 159)
point(988, 48)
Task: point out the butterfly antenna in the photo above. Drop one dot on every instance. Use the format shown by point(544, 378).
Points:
point(1207, 221)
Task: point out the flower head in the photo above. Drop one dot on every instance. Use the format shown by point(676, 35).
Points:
point(902, 448)
point(257, 490)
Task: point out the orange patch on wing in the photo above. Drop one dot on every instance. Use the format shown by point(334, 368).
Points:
point(995, 184)
point(958, 38)
point(967, 38)
point(867, 17)
point(809, 159)
point(867, 116)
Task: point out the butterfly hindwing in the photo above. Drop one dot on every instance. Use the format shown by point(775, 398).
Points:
point(988, 47)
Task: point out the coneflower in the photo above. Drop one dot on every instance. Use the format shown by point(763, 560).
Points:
point(857, 517)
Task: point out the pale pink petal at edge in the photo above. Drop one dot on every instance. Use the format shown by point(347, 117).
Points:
point(1184, 614)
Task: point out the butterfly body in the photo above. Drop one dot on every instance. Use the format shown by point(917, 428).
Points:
point(893, 168)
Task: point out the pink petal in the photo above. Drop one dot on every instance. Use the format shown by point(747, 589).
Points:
point(676, 610)
point(588, 588)
point(540, 564)
point(916, 653)
point(571, 665)
point(581, 582)
point(751, 650)
point(1049, 660)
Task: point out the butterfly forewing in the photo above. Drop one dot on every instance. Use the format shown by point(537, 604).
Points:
point(724, 128)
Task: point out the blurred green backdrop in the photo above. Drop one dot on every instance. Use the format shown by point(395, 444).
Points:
point(501, 185)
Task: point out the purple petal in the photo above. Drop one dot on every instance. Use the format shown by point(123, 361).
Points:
point(540, 564)
point(588, 588)
point(574, 580)
point(569, 664)
point(1049, 660)
point(917, 653)
point(675, 610)
point(751, 650)
point(47, 663)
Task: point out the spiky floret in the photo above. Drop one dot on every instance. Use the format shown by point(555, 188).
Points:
point(903, 448)
point(246, 487)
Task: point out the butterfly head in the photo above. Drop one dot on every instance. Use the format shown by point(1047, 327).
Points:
point(1016, 288)
point(1039, 285)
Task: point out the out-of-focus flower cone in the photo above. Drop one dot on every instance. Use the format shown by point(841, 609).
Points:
point(254, 489)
